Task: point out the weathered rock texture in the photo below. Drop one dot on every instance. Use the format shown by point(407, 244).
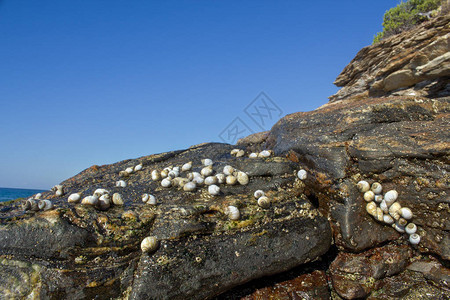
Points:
point(79, 252)
point(416, 62)
point(402, 141)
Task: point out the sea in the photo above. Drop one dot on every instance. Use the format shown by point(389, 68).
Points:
point(7, 194)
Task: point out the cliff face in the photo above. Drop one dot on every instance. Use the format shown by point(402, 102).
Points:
point(413, 63)
point(315, 240)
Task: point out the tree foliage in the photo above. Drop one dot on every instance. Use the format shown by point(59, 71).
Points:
point(405, 16)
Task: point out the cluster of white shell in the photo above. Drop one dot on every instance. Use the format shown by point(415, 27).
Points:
point(263, 201)
point(237, 152)
point(100, 199)
point(130, 170)
point(37, 205)
point(262, 154)
point(208, 177)
point(386, 209)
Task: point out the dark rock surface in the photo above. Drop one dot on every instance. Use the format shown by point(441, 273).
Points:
point(202, 253)
point(401, 142)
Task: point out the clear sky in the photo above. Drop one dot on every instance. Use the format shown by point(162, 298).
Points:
point(98, 81)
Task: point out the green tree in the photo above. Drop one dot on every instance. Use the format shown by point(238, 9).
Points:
point(405, 16)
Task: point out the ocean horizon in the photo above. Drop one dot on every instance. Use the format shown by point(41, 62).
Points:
point(7, 194)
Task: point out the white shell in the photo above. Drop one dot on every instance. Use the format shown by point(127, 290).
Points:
point(207, 171)
point(406, 213)
point(388, 219)
point(391, 196)
point(394, 210)
point(103, 203)
point(89, 200)
point(138, 167)
point(121, 183)
point(384, 206)
point(74, 198)
point(234, 151)
point(253, 155)
point(38, 196)
point(213, 189)
point(117, 199)
point(228, 170)
point(220, 178)
point(145, 198)
point(149, 244)
point(59, 193)
point(151, 200)
point(100, 192)
point(189, 187)
point(264, 153)
point(198, 180)
point(380, 214)
point(363, 186)
point(166, 182)
point(231, 180)
point(264, 202)
point(207, 162)
point(240, 153)
point(57, 187)
point(414, 238)
point(104, 197)
point(192, 175)
point(398, 227)
point(233, 212)
point(155, 175)
point(164, 173)
point(369, 196)
point(402, 222)
point(411, 228)
point(129, 170)
point(242, 178)
point(377, 188)
point(179, 181)
point(31, 204)
point(172, 174)
point(258, 194)
point(371, 208)
point(302, 174)
point(187, 166)
point(210, 180)
point(378, 198)
point(45, 205)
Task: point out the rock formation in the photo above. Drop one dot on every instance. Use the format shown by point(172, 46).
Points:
point(389, 123)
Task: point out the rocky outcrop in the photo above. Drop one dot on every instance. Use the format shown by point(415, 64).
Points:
point(80, 252)
point(415, 62)
point(401, 142)
point(390, 123)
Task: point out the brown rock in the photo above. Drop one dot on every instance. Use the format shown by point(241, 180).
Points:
point(399, 63)
point(356, 275)
point(308, 286)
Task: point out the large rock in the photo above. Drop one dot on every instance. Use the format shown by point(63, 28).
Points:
point(415, 62)
point(401, 142)
point(80, 252)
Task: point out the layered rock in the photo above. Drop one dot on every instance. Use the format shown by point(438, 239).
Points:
point(415, 62)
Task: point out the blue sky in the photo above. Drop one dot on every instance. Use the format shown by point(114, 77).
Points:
point(96, 82)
